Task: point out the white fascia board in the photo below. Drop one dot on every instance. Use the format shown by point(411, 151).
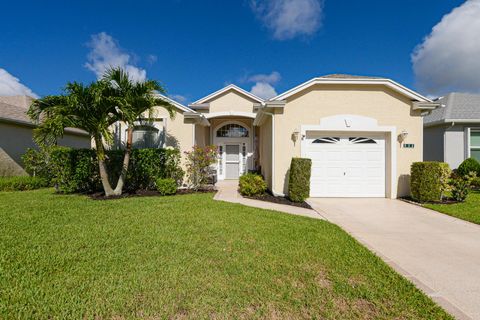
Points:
point(230, 113)
point(425, 105)
point(178, 105)
point(225, 89)
point(200, 106)
point(199, 118)
point(386, 82)
point(449, 121)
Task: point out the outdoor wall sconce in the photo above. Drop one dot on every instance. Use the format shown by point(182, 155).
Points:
point(295, 135)
point(402, 136)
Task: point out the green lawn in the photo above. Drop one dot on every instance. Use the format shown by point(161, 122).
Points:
point(468, 210)
point(187, 257)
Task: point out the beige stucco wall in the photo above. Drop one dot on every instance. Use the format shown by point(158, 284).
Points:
point(179, 134)
point(379, 102)
point(16, 139)
point(231, 101)
point(202, 135)
point(265, 150)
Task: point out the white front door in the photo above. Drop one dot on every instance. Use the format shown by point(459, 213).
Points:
point(350, 165)
point(232, 161)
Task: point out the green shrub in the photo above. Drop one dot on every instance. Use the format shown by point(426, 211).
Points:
point(429, 180)
point(199, 162)
point(76, 170)
point(252, 184)
point(467, 166)
point(22, 183)
point(476, 183)
point(36, 162)
point(166, 186)
point(299, 179)
point(461, 185)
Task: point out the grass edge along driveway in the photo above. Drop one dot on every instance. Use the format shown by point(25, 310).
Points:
point(468, 210)
point(67, 256)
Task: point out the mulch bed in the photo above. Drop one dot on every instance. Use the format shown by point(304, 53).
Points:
point(280, 200)
point(148, 193)
point(444, 201)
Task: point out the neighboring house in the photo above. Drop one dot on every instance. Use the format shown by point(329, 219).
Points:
point(16, 134)
point(362, 134)
point(452, 132)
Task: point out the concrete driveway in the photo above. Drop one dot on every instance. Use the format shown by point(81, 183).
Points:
point(438, 253)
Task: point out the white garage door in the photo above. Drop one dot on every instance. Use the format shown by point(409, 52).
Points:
point(346, 165)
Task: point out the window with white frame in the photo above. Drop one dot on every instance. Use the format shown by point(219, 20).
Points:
point(475, 144)
point(146, 137)
point(232, 130)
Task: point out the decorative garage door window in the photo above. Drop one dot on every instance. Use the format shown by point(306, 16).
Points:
point(232, 130)
point(351, 140)
point(355, 140)
point(327, 140)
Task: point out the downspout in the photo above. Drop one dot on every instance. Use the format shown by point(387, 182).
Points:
point(273, 154)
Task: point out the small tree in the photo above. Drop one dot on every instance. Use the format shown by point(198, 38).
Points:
point(199, 162)
point(94, 108)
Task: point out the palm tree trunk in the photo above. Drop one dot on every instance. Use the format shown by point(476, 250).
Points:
point(126, 160)
point(107, 188)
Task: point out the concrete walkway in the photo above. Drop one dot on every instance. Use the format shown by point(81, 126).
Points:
point(439, 253)
point(228, 191)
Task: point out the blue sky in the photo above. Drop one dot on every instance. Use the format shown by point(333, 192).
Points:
point(196, 47)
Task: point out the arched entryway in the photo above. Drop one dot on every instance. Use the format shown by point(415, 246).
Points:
point(234, 142)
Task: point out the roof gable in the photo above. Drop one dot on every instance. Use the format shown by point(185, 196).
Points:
point(178, 105)
point(345, 79)
point(231, 87)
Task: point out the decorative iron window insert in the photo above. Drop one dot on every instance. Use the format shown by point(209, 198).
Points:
point(327, 140)
point(356, 140)
point(220, 160)
point(244, 157)
point(232, 130)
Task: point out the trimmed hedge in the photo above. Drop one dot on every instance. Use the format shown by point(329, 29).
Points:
point(166, 186)
point(429, 180)
point(22, 183)
point(252, 184)
point(467, 166)
point(76, 170)
point(299, 179)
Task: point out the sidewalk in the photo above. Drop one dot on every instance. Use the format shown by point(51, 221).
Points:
point(227, 191)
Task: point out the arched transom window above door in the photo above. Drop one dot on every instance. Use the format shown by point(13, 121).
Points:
point(232, 130)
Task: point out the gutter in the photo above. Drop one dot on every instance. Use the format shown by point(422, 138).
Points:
point(444, 121)
point(72, 131)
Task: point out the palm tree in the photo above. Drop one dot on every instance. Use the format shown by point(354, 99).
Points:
point(95, 108)
point(134, 101)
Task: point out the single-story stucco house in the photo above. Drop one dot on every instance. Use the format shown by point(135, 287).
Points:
point(452, 131)
point(16, 134)
point(362, 134)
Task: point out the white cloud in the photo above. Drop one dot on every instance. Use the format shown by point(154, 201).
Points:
point(11, 86)
point(273, 77)
point(151, 58)
point(263, 90)
point(449, 58)
point(263, 86)
point(179, 98)
point(288, 19)
point(105, 53)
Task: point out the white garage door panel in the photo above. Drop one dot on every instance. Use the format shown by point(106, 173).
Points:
point(347, 165)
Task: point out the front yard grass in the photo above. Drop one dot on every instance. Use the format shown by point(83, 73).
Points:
point(187, 257)
point(468, 210)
